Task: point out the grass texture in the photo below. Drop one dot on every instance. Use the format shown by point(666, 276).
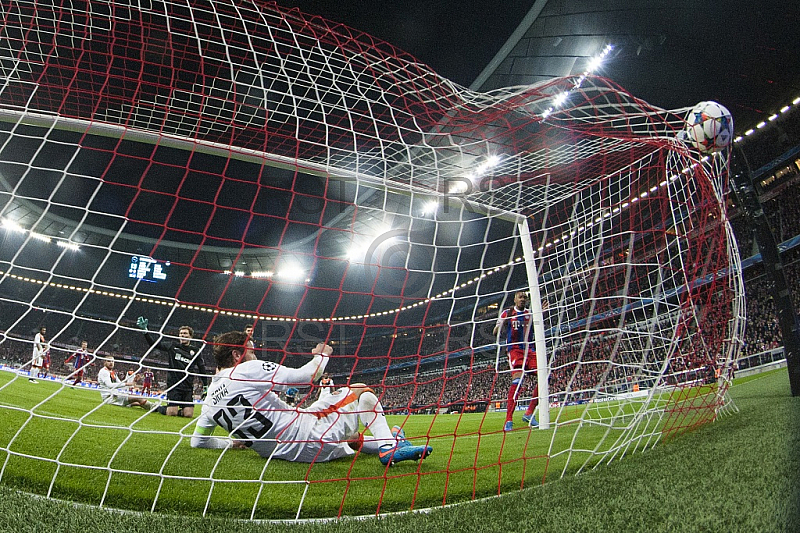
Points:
point(739, 473)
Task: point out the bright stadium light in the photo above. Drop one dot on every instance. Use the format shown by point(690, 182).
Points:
point(491, 162)
point(13, 226)
point(458, 187)
point(595, 63)
point(356, 253)
point(430, 207)
point(68, 245)
point(292, 273)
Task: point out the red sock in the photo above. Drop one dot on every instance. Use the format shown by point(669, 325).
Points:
point(511, 404)
point(534, 402)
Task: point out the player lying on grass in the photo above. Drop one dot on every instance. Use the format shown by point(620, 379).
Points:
point(243, 400)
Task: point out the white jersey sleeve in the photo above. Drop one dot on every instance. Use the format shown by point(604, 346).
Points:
point(501, 320)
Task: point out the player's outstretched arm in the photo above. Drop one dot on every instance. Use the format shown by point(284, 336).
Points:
point(309, 372)
point(323, 352)
point(142, 324)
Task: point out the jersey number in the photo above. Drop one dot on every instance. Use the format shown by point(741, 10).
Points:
point(240, 405)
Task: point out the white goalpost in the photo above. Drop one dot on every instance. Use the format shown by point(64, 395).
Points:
point(537, 321)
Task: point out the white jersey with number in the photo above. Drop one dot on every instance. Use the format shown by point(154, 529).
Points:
point(244, 401)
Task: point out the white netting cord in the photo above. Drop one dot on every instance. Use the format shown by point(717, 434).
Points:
point(425, 134)
point(635, 256)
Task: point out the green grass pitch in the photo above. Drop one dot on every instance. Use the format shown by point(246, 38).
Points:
point(738, 474)
point(74, 449)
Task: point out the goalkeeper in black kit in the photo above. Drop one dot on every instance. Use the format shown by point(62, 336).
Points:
point(185, 363)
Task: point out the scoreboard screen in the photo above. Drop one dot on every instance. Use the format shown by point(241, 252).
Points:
point(147, 269)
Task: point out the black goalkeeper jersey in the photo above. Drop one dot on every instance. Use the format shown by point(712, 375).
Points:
point(184, 362)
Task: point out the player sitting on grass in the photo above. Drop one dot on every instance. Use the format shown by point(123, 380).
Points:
point(243, 400)
point(109, 383)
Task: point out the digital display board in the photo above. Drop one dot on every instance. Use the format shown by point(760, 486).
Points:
point(147, 269)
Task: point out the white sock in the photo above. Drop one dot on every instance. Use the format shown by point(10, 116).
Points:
point(371, 415)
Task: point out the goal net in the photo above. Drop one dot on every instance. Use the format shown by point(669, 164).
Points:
point(221, 164)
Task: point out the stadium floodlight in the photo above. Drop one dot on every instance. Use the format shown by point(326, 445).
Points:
point(13, 226)
point(459, 186)
point(560, 98)
point(594, 64)
point(429, 207)
point(292, 273)
point(491, 162)
point(68, 245)
point(356, 252)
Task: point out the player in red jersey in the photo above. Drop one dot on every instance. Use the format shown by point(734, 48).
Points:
point(516, 321)
point(45, 365)
point(147, 381)
point(82, 359)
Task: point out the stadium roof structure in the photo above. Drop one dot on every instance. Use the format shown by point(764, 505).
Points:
point(670, 53)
